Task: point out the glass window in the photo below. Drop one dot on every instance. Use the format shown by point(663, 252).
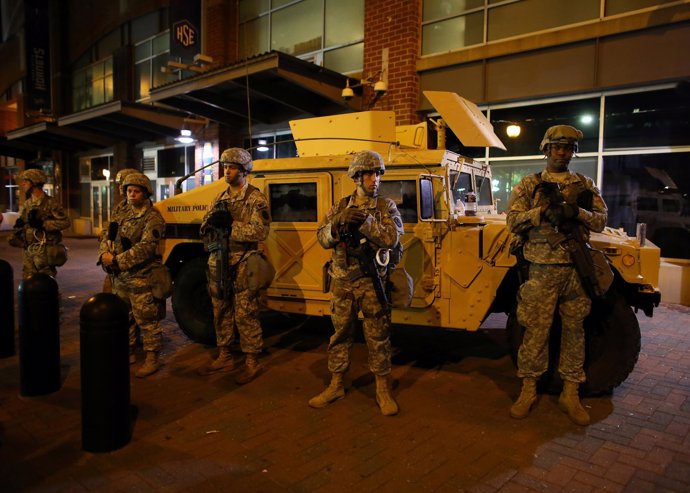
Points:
point(145, 26)
point(536, 119)
point(453, 34)
point(652, 189)
point(439, 9)
point(404, 194)
point(293, 202)
point(297, 29)
point(344, 22)
point(109, 43)
point(507, 174)
point(614, 7)
point(93, 85)
point(537, 15)
point(285, 146)
point(316, 30)
point(654, 118)
point(150, 56)
point(345, 60)
point(254, 37)
point(252, 8)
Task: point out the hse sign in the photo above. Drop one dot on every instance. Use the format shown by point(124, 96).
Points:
point(185, 33)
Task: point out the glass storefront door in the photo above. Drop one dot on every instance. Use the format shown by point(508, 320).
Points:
point(101, 205)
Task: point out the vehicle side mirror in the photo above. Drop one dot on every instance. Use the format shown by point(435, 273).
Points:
point(426, 198)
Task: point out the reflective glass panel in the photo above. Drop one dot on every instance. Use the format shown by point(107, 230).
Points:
point(518, 18)
point(535, 120)
point(404, 194)
point(142, 51)
point(252, 8)
point(439, 9)
point(655, 118)
point(453, 34)
point(652, 189)
point(161, 43)
point(293, 202)
point(344, 60)
point(297, 29)
point(344, 22)
point(614, 7)
point(254, 37)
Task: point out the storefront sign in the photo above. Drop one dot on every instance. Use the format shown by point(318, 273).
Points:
point(185, 29)
point(37, 55)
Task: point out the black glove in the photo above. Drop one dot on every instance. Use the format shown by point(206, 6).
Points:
point(19, 223)
point(34, 219)
point(220, 218)
point(352, 216)
point(558, 213)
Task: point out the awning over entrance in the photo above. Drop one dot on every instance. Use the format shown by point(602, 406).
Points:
point(17, 150)
point(269, 88)
point(119, 120)
point(49, 136)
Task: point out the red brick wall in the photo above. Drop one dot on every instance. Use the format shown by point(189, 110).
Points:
point(220, 24)
point(396, 25)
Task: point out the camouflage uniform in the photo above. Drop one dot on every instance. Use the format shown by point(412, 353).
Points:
point(553, 280)
point(352, 291)
point(34, 240)
point(144, 229)
point(251, 222)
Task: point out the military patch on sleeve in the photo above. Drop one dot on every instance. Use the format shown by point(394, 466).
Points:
point(398, 222)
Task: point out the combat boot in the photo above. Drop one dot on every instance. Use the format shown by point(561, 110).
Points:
point(569, 402)
point(252, 368)
point(150, 366)
point(333, 392)
point(383, 396)
point(223, 363)
point(528, 396)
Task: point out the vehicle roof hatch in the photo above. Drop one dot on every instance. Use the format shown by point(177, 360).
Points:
point(465, 120)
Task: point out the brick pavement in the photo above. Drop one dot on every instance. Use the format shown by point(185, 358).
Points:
point(198, 434)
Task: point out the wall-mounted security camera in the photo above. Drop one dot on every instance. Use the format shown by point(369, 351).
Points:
point(380, 88)
point(347, 93)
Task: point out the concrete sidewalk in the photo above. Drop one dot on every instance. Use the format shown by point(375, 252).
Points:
point(195, 433)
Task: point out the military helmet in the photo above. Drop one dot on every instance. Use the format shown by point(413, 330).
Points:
point(122, 174)
point(138, 179)
point(237, 155)
point(35, 176)
point(561, 134)
point(365, 161)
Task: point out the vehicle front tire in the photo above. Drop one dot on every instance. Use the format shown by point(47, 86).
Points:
point(191, 302)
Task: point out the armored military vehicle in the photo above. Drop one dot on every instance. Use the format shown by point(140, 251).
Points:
point(461, 264)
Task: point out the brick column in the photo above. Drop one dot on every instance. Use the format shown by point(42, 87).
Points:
point(396, 25)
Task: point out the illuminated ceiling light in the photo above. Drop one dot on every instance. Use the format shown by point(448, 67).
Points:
point(513, 130)
point(586, 119)
point(262, 146)
point(106, 173)
point(185, 136)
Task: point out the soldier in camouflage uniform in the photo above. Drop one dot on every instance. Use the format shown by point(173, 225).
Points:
point(119, 210)
point(553, 281)
point(40, 222)
point(377, 220)
point(241, 212)
point(131, 257)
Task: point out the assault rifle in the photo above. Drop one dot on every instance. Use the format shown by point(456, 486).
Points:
point(218, 245)
point(572, 235)
point(360, 248)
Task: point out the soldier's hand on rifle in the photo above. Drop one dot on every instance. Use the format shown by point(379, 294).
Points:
point(353, 216)
point(558, 213)
point(220, 218)
point(34, 219)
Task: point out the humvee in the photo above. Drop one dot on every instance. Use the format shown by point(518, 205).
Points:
point(461, 265)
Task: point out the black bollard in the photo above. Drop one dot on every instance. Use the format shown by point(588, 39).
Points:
point(7, 310)
point(39, 336)
point(105, 396)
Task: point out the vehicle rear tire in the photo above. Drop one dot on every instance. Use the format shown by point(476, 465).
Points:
point(191, 302)
point(612, 346)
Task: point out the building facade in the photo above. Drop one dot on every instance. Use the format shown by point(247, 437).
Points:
point(89, 87)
